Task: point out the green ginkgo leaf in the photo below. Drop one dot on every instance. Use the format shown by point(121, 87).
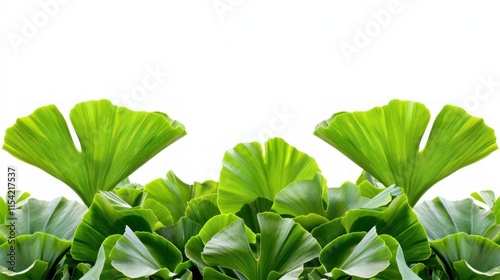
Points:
point(114, 141)
point(174, 194)
point(357, 254)
point(180, 232)
point(302, 198)
point(248, 173)
point(58, 217)
point(469, 256)
point(143, 254)
point(195, 245)
point(131, 193)
point(283, 248)
point(385, 142)
point(397, 220)
point(37, 270)
point(106, 216)
point(33, 253)
point(442, 217)
point(486, 197)
point(398, 269)
point(102, 268)
point(202, 209)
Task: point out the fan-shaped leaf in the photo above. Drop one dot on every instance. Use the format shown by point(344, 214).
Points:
point(356, 254)
point(58, 217)
point(469, 256)
point(442, 217)
point(175, 194)
point(143, 254)
point(284, 247)
point(106, 217)
point(248, 173)
point(115, 141)
point(398, 221)
point(301, 198)
point(385, 142)
point(34, 253)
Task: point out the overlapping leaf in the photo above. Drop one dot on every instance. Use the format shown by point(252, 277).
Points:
point(105, 217)
point(58, 217)
point(35, 256)
point(399, 221)
point(357, 254)
point(174, 194)
point(469, 256)
point(284, 247)
point(115, 141)
point(385, 142)
point(248, 173)
point(442, 217)
point(143, 254)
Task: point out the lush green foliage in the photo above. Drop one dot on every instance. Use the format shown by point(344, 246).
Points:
point(270, 216)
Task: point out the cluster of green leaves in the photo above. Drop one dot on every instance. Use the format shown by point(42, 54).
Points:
point(271, 215)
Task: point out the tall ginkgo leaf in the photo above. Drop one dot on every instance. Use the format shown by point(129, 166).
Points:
point(248, 173)
point(385, 142)
point(114, 141)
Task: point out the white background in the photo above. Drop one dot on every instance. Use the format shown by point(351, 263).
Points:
point(232, 65)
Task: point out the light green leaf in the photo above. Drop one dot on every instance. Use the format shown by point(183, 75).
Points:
point(161, 212)
point(194, 247)
point(115, 141)
point(343, 199)
point(58, 217)
point(212, 274)
point(175, 194)
point(143, 254)
point(35, 271)
point(397, 270)
point(248, 173)
point(33, 253)
point(202, 209)
point(102, 268)
point(356, 254)
point(106, 217)
point(442, 217)
point(310, 221)
point(399, 221)
point(301, 198)
point(250, 210)
point(486, 197)
point(385, 142)
point(180, 232)
point(131, 193)
point(469, 256)
point(329, 231)
point(284, 246)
